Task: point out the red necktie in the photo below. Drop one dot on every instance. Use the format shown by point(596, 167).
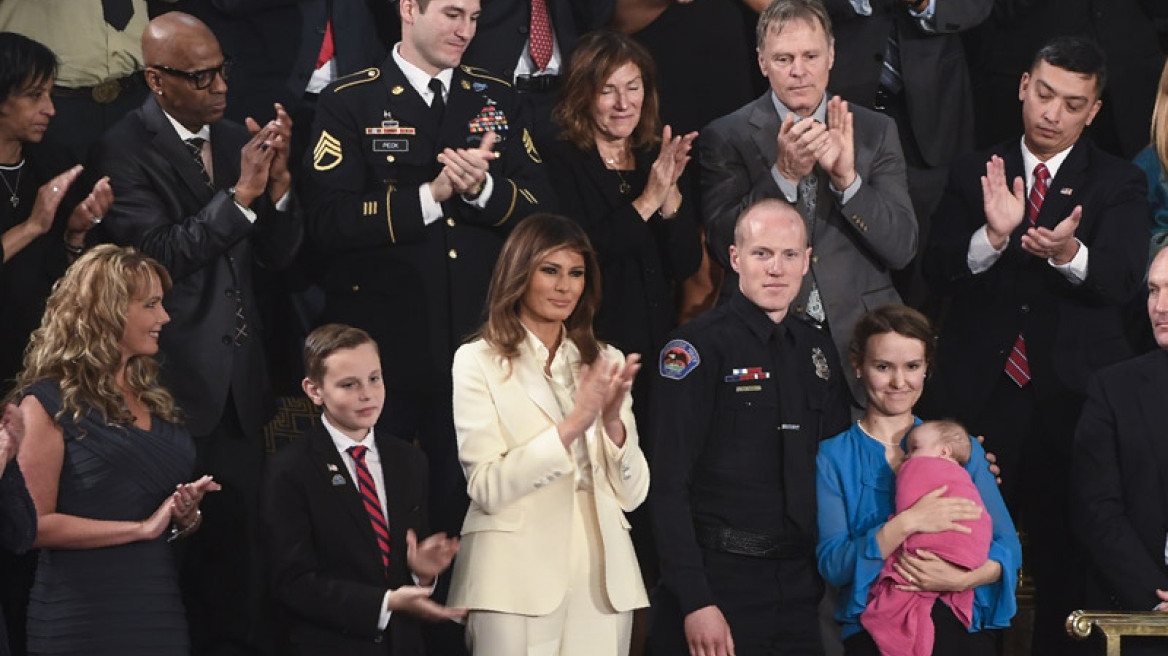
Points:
point(541, 34)
point(368, 490)
point(1017, 366)
point(327, 48)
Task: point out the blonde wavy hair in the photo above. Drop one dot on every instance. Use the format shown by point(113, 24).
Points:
point(78, 343)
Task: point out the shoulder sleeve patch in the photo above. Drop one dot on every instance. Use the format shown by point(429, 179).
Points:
point(360, 77)
point(678, 358)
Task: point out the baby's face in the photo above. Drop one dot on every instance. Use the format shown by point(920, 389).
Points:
point(926, 441)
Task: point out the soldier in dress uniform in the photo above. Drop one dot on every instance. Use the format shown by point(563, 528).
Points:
point(416, 172)
point(744, 394)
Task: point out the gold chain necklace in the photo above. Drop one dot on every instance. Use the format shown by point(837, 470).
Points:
point(12, 189)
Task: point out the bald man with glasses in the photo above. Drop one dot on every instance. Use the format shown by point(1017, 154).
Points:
point(210, 199)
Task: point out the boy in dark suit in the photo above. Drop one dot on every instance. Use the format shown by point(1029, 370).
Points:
point(342, 510)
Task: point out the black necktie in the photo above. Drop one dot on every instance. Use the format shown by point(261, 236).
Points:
point(438, 106)
point(118, 13)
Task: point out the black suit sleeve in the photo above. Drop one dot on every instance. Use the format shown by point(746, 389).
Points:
point(18, 518)
point(1102, 521)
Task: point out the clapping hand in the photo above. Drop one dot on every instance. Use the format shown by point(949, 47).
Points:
point(430, 557)
point(600, 391)
point(11, 434)
point(1004, 207)
point(838, 158)
point(800, 145)
point(466, 169)
point(1058, 244)
point(661, 192)
point(187, 498)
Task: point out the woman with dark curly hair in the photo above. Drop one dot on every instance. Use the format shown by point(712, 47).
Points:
point(105, 458)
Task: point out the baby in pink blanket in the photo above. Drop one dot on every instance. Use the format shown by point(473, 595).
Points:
point(900, 621)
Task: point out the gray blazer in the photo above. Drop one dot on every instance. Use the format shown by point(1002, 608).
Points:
point(855, 246)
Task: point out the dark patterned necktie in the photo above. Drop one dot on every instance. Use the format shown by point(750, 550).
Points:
point(195, 146)
point(368, 489)
point(540, 35)
point(438, 105)
point(117, 13)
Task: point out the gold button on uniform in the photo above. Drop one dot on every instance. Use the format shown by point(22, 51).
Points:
point(356, 288)
point(452, 254)
point(450, 222)
point(815, 259)
point(390, 158)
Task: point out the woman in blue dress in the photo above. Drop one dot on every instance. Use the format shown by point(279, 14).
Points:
point(855, 480)
point(106, 462)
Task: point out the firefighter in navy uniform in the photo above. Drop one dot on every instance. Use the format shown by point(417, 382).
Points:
point(407, 229)
point(743, 395)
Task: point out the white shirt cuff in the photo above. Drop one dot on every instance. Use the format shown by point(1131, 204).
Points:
point(1075, 271)
point(982, 255)
point(484, 195)
point(248, 213)
point(282, 204)
point(847, 194)
point(431, 209)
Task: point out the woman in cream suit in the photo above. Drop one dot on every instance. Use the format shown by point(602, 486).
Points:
point(547, 440)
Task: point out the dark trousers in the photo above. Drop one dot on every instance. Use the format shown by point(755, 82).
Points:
point(80, 120)
point(949, 638)
point(1031, 435)
point(772, 607)
point(222, 573)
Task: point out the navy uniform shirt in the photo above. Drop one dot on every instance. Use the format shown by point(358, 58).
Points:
point(740, 404)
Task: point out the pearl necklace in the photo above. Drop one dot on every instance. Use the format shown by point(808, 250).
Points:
point(860, 423)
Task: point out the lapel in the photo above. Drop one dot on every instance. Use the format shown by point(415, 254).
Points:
point(327, 459)
point(1071, 175)
point(764, 123)
point(528, 374)
point(167, 143)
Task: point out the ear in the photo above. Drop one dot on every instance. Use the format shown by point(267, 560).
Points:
point(1094, 110)
point(806, 260)
point(153, 80)
point(734, 264)
point(1023, 85)
point(312, 391)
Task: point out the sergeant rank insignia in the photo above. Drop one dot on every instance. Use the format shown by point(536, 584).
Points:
point(820, 361)
point(326, 156)
point(489, 118)
point(678, 358)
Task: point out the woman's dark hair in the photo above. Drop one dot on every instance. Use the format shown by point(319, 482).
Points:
point(899, 319)
point(595, 58)
point(23, 63)
point(536, 237)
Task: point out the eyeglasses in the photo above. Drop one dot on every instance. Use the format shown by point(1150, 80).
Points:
point(202, 78)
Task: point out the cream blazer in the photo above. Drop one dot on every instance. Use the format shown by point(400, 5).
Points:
point(521, 483)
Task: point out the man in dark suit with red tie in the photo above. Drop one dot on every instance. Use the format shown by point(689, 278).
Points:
point(210, 202)
point(1039, 246)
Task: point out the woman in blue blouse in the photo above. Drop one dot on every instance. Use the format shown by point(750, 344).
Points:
point(1151, 160)
point(856, 475)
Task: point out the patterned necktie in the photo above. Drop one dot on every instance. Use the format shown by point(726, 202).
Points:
point(806, 204)
point(1017, 365)
point(368, 489)
point(540, 34)
point(438, 105)
point(117, 13)
point(195, 146)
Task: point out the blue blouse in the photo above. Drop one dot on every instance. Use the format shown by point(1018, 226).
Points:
point(856, 490)
point(1149, 163)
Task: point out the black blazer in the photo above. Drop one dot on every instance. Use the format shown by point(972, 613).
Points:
point(1119, 482)
point(641, 262)
point(18, 524)
point(162, 206)
point(1071, 331)
point(503, 26)
point(324, 565)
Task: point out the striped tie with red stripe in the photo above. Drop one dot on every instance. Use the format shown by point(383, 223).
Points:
point(1017, 365)
point(368, 489)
